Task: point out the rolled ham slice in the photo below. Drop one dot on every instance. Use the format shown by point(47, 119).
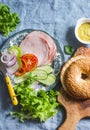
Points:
point(41, 45)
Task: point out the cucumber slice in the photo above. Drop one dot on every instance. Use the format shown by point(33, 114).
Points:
point(19, 79)
point(50, 80)
point(46, 68)
point(39, 74)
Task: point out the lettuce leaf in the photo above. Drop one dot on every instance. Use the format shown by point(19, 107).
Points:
point(34, 105)
point(8, 20)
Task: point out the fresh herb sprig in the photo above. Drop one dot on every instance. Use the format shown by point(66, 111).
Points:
point(68, 49)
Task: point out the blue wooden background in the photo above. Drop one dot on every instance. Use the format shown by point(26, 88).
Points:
point(58, 18)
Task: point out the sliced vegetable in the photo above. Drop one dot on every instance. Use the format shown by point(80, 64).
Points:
point(31, 61)
point(20, 72)
point(9, 59)
point(19, 62)
point(17, 51)
point(11, 62)
point(19, 79)
point(39, 74)
point(36, 74)
point(12, 69)
point(46, 68)
point(49, 80)
point(7, 56)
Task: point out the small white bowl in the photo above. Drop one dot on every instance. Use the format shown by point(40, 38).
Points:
point(79, 23)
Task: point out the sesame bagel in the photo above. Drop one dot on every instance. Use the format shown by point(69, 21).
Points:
point(75, 77)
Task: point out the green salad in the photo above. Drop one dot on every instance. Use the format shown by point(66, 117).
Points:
point(35, 105)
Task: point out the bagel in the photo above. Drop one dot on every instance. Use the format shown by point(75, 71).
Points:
point(75, 77)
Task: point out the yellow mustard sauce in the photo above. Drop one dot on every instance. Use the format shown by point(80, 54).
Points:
point(84, 32)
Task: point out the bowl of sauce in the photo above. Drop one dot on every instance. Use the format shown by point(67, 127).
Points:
point(82, 30)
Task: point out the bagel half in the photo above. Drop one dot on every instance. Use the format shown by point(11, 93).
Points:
point(75, 77)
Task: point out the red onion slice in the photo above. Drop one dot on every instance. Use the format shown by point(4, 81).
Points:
point(13, 68)
point(7, 56)
point(11, 62)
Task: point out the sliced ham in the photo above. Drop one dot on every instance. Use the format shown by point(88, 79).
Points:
point(41, 45)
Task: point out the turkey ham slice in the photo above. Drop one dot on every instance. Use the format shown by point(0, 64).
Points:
point(41, 45)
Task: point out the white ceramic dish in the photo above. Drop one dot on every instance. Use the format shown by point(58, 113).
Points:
point(79, 22)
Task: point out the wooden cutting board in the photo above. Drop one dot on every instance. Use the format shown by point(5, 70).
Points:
point(75, 110)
